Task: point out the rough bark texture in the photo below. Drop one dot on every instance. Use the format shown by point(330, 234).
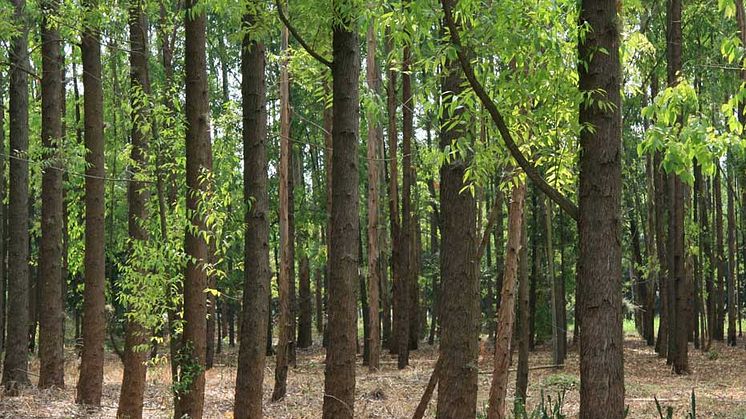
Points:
point(256, 293)
point(305, 305)
point(523, 329)
point(393, 341)
point(506, 312)
point(198, 150)
point(51, 346)
point(459, 298)
point(339, 374)
point(732, 265)
point(374, 251)
point(91, 377)
point(286, 258)
point(3, 216)
point(133, 381)
point(679, 323)
point(599, 222)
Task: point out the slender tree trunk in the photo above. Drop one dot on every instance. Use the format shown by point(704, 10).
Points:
point(559, 340)
point(256, 289)
point(90, 382)
point(718, 332)
point(523, 330)
point(732, 265)
point(51, 345)
point(506, 313)
point(198, 151)
point(459, 300)
point(3, 217)
point(374, 252)
point(305, 317)
point(393, 341)
point(599, 229)
point(318, 291)
point(661, 345)
point(133, 381)
point(284, 274)
point(652, 252)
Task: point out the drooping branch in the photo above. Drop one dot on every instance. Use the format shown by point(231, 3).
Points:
point(300, 39)
point(568, 206)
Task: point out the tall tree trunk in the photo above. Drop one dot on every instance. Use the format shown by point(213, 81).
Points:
point(198, 151)
point(339, 374)
point(393, 194)
point(133, 381)
point(459, 299)
point(90, 381)
point(506, 313)
point(653, 269)
point(374, 251)
point(599, 229)
point(559, 338)
point(523, 329)
point(718, 332)
point(256, 289)
point(732, 265)
point(51, 341)
point(3, 216)
point(318, 280)
point(286, 257)
point(305, 315)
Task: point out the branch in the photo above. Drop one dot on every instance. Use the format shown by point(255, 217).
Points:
point(298, 38)
point(568, 206)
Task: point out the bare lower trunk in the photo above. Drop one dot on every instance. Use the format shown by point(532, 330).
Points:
point(506, 313)
point(51, 345)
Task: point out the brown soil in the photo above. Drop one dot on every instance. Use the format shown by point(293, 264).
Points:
point(718, 378)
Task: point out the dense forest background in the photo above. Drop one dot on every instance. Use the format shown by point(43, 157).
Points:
point(370, 190)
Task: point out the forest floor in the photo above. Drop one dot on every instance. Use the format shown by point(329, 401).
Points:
point(718, 378)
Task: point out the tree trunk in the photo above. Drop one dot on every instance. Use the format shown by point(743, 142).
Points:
point(600, 252)
point(459, 299)
point(339, 374)
point(256, 314)
point(305, 317)
point(133, 381)
point(318, 291)
point(51, 341)
point(718, 332)
point(732, 265)
point(506, 313)
point(653, 269)
point(374, 252)
point(523, 330)
point(559, 337)
point(198, 151)
point(90, 381)
point(3, 217)
point(286, 261)
point(393, 340)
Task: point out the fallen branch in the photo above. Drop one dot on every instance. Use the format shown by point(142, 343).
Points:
point(428, 394)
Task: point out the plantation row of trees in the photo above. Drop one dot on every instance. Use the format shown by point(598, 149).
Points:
point(507, 170)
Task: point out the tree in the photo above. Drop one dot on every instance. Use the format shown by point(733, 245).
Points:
point(459, 287)
point(374, 251)
point(252, 352)
point(136, 335)
point(599, 228)
point(506, 312)
point(190, 400)
point(51, 339)
point(286, 257)
point(305, 305)
point(15, 364)
point(90, 382)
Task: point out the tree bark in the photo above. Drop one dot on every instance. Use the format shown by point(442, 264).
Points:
point(523, 329)
point(286, 260)
point(599, 229)
point(305, 315)
point(198, 151)
point(51, 340)
point(256, 288)
point(459, 299)
point(133, 381)
point(506, 313)
point(374, 251)
point(732, 265)
point(339, 374)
